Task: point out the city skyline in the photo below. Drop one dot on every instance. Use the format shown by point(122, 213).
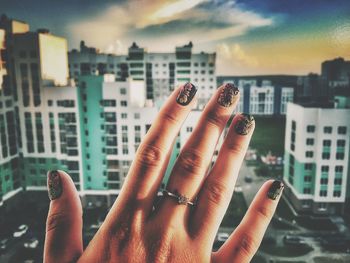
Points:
point(249, 37)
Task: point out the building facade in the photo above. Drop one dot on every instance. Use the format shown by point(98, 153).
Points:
point(160, 71)
point(91, 126)
point(316, 163)
point(260, 97)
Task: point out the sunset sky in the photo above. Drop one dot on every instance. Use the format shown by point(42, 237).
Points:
point(250, 37)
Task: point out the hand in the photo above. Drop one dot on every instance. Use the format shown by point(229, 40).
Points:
point(137, 230)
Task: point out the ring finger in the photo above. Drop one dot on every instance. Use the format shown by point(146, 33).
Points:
point(191, 166)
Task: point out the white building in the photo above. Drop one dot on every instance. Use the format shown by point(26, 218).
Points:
point(160, 71)
point(316, 169)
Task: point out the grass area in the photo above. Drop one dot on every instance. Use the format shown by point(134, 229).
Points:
point(235, 211)
point(269, 135)
point(286, 251)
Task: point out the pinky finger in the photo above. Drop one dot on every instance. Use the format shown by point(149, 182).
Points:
point(246, 239)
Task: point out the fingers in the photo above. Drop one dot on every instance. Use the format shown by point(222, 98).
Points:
point(63, 241)
point(194, 159)
point(145, 173)
point(246, 239)
point(217, 189)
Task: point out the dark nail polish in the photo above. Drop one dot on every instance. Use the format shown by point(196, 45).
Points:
point(275, 189)
point(244, 124)
point(186, 94)
point(227, 95)
point(54, 185)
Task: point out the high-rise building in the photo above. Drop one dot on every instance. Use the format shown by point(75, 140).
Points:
point(160, 71)
point(90, 127)
point(316, 163)
point(336, 75)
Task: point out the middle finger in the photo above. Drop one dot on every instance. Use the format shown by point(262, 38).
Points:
point(194, 159)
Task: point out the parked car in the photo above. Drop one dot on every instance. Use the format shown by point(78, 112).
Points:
point(31, 243)
point(293, 240)
point(21, 230)
point(4, 244)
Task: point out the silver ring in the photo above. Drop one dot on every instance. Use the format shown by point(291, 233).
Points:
point(181, 199)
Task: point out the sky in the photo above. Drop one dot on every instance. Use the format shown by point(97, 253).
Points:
point(250, 37)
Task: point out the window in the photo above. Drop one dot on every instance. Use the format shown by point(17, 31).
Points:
point(337, 193)
point(324, 181)
point(309, 141)
point(294, 125)
point(327, 129)
point(137, 128)
point(323, 192)
point(310, 128)
point(123, 103)
point(189, 129)
point(326, 156)
point(324, 168)
point(49, 103)
point(307, 179)
point(341, 143)
point(307, 191)
point(341, 130)
point(137, 115)
point(338, 181)
point(309, 154)
point(124, 115)
point(124, 128)
point(339, 156)
point(338, 169)
point(327, 143)
point(308, 166)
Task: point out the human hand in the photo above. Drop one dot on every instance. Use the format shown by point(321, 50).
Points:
point(135, 230)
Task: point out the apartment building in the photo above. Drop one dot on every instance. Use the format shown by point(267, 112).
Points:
point(160, 71)
point(316, 163)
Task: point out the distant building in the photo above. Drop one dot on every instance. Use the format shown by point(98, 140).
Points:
point(258, 96)
point(336, 75)
point(316, 163)
point(160, 71)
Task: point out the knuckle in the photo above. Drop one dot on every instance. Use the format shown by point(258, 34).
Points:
point(264, 212)
point(248, 245)
point(216, 192)
point(57, 221)
point(169, 117)
point(213, 117)
point(235, 147)
point(191, 162)
point(150, 155)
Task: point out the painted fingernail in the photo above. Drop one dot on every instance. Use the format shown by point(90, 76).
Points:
point(244, 124)
point(275, 189)
point(54, 185)
point(186, 94)
point(227, 95)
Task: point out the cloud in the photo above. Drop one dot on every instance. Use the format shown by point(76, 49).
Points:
point(232, 58)
point(234, 52)
point(164, 23)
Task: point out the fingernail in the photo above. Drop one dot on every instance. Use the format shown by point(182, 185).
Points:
point(275, 189)
point(54, 185)
point(186, 94)
point(244, 124)
point(227, 95)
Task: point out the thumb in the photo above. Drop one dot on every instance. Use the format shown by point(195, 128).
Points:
point(63, 241)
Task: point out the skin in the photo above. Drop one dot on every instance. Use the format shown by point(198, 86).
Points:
point(135, 232)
